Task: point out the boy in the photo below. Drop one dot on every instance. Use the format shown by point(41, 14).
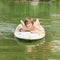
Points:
point(29, 25)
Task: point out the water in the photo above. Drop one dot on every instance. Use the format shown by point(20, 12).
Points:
point(47, 48)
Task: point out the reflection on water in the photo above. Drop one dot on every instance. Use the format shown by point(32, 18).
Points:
point(31, 48)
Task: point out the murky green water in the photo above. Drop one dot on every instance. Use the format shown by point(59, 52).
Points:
point(47, 48)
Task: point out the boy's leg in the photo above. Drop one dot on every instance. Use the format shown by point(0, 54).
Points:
point(37, 23)
point(22, 23)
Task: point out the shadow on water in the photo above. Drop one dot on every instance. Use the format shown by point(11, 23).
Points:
point(30, 41)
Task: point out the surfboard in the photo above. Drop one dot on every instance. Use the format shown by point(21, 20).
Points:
point(28, 35)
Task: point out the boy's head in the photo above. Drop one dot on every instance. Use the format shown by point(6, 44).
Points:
point(28, 23)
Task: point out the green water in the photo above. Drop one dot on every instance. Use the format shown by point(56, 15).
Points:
point(47, 48)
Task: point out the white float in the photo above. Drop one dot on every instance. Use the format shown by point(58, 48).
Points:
point(28, 35)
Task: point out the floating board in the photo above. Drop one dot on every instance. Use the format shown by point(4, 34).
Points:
point(28, 35)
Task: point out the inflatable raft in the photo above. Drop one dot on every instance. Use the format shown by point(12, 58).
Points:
point(28, 35)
